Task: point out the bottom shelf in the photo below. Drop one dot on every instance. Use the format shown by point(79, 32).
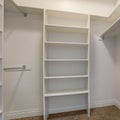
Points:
point(51, 93)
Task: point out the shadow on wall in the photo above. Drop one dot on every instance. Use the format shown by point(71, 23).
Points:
point(110, 43)
point(11, 99)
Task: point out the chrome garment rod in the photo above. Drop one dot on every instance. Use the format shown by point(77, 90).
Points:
point(23, 68)
point(19, 8)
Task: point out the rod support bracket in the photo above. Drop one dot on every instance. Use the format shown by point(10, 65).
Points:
point(25, 14)
point(101, 38)
point(19, 8)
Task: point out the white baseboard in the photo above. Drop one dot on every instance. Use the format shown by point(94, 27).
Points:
point(23, 114)
point(103, 103)
point(38, 111)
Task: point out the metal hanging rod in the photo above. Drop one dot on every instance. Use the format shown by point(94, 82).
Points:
point(21, 11)
point(23, 68)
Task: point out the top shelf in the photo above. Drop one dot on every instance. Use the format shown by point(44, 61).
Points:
point(112, 30)
point(66, 19)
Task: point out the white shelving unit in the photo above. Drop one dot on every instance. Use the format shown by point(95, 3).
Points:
point(66, 28)
point(1, 58)
point(65, 57)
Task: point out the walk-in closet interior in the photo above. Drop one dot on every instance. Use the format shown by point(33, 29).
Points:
point(58, 56)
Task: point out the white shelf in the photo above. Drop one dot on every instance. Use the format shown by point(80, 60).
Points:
point(65, 92)
point(65, 43)
point(112, 29)
point(66, 60)
point(66, 18)
point(62, 77)
point(66, 28)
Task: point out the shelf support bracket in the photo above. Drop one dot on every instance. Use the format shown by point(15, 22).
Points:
point(101, 38)
point(21, 11)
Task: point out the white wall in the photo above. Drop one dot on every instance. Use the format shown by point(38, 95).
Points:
point(94, 7)
point(118, 1)
point(23, 45)
point(102, 65)
point(118, 71)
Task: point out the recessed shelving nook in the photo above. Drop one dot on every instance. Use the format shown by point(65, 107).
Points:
point(1, 58)
point(65, 59)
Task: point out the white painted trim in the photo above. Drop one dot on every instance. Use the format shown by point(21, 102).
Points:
point(103, 103)
point(37, 111)
point(23, 113)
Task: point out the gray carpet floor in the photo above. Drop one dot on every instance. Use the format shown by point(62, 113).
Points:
point(104, 113)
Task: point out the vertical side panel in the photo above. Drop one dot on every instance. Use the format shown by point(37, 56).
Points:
point(1, 60)
point(89, 66)
point(45, 100)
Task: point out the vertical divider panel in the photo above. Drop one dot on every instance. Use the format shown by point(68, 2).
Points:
point(89, 65)
point(1, 60)
point(45, 100)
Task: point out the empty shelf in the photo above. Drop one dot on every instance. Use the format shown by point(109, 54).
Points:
point(65, 92)
point(62, 77)
point(65, 60)
point(65, 28)
point(65, 43)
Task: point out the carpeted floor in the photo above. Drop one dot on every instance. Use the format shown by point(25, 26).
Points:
point(104, 113)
